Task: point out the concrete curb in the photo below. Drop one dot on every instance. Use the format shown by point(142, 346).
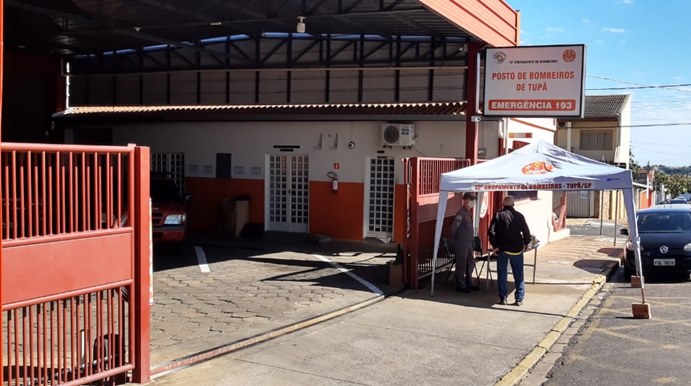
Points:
point(522, 369)
point(215, 352)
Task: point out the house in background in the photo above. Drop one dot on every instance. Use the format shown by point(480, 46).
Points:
point(603, 134)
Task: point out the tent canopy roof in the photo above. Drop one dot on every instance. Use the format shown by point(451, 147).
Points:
point(538, 166)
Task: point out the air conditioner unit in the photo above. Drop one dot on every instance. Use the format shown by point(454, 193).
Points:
point(396, 134)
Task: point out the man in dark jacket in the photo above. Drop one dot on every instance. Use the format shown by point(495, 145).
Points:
point(510, 236)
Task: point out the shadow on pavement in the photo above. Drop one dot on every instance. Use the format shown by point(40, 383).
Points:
point(484, 298)
point(612, 252)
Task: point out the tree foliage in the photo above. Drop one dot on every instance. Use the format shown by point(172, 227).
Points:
point(677, 180)
point(633, 165)
point(675, 184)
point(671, 170)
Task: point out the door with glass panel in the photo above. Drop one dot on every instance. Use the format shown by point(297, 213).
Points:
point(379, 200)
point(287, 187)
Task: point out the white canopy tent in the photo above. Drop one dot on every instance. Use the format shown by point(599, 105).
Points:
point(538, 166)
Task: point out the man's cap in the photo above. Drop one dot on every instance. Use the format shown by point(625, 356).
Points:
point(469, 196)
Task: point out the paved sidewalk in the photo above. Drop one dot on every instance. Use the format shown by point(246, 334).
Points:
point(256, 287)
point(407, 338)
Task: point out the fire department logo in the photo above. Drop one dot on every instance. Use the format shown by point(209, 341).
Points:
point(664, 249)
point(569, 55)
point(537, 167)
point(499, 57)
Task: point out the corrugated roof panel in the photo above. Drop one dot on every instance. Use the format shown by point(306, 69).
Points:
point(352, 109)
point(604, 106)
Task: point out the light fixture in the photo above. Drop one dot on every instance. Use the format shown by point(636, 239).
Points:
point(301, 24)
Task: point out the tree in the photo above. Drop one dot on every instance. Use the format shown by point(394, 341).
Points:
point(678, 184)
point(633, 165)
point(661, 179)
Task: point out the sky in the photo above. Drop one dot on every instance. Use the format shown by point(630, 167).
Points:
point(637, 47)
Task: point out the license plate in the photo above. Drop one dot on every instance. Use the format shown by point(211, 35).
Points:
point(663, 262)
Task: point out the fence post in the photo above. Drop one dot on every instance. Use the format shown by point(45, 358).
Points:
point(414, 236)
point(142, 219)
point(2, 41)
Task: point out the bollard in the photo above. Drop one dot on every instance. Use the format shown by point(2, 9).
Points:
point(636, 281)
point(641, 311)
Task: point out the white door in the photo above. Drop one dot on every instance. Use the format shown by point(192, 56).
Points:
point(379, 200)
point(287, 187)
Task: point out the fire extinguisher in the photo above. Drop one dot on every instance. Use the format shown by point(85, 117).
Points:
point(334, 181)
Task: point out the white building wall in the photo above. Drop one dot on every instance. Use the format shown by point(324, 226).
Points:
point(625, 135)
point(488, 139)
point(249, 142)
point(599, 155)
point(538, 215)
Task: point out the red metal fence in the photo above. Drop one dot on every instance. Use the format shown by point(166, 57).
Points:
point(422, 176)
point(75, 239)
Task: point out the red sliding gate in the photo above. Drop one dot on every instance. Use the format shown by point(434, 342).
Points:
point(422, 177)
point(75, 264)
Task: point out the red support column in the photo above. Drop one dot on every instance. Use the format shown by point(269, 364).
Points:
point(142, 281)
point(472, 84)
point(2, 48)
point(413, 233)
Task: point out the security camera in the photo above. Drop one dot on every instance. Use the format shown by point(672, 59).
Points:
point(351, 145)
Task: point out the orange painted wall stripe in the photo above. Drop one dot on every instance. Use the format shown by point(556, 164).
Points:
point(492, 21)
point(339, 215)
point(205, 215)
point(399, 233)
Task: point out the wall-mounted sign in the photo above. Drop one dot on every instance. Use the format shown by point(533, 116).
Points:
point(535, 81)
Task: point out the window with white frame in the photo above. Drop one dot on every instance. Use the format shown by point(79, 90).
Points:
point(172, 165)
point(596, 140)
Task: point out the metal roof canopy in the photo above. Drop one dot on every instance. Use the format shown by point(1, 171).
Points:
point(127, 27)
point(431, 111)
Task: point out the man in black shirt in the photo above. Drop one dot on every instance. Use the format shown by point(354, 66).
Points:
point(509, 235)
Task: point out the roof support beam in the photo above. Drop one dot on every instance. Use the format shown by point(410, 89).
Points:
point(310, 53)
